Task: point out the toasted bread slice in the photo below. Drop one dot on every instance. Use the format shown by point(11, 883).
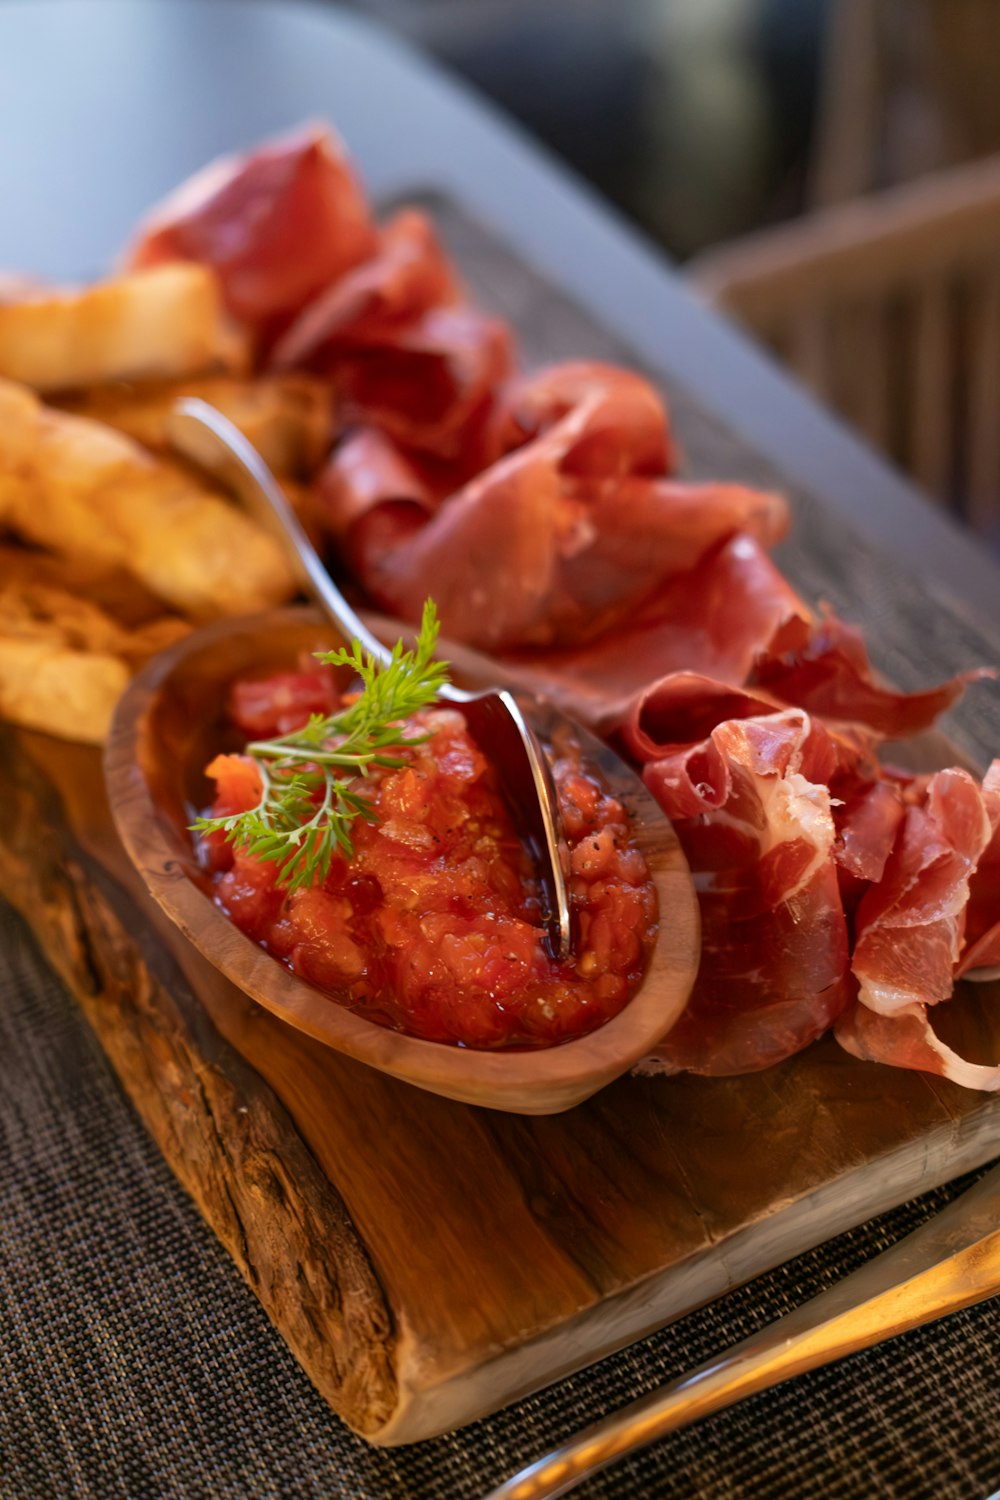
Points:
point(288, 418)
point(63, 661)
point(85, 491)
point(165, 323)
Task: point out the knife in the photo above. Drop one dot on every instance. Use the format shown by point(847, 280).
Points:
point(951, 1262)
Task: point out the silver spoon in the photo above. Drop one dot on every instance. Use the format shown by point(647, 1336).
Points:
point(201, 432)
point(951, 1262)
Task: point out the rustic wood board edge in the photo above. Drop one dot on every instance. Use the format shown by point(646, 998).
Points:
point(654, 1303)
point(234, 1148)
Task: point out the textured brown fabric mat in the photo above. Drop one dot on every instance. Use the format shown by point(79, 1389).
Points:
point(135, 1363)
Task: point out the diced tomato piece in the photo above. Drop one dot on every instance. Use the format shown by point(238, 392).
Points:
point(250, 896)
point(282, 703)
point(325, 952)
point(237, 784)
point(237, 789)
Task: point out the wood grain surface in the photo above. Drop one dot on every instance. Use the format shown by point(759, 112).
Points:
point(427, 1261)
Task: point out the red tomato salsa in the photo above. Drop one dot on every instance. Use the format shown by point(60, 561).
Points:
point(434, 927)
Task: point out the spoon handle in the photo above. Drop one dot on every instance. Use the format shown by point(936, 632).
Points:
point(949, 1263)
point(211, 440)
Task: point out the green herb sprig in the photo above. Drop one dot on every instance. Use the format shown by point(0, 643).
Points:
point(309, 793)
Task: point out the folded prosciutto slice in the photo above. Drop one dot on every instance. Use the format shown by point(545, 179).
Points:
point(682, 709)
point(428, 384)
point(981, 952)
point(867, 821)
point(759, 837)
point(277, 224)
point(566, 535)
point(831, 674)
point(712, 620)
point(909, 931)
point(402, 350)
point(908, 1040)
point(407, 274)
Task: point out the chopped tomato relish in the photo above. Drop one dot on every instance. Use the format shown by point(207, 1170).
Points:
point(434, 927)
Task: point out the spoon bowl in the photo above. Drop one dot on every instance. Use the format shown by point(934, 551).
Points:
point(170, 723)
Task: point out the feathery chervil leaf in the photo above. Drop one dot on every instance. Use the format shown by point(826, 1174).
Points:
point(310, 795)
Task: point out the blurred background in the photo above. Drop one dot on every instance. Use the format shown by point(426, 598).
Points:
point(694, 116)
point(828, 171)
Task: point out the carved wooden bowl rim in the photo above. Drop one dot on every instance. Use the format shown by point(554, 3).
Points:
point(148, 779)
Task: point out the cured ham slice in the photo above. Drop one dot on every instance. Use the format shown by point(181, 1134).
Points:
point(867, 825)
point(565, 539)
point(620, 422)
point(277, 224)
point(759, 838)
point(907, 1040)
point(553, 567)
point(371, 498)
point(910, 929)
point(831, 675)
point(407, 275)
point(401, 348)
point(428, 384)
point(910, 925)
point(683, 708)
point(982, 927)
point(712, 620)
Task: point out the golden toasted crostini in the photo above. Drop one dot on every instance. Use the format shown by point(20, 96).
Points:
point(86, 491)
point(163, 323)
point(63, 661)
point(287, 418)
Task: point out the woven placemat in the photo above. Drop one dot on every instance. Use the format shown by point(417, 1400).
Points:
point(134, 1362)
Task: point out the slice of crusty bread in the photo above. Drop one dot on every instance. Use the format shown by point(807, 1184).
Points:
point(164, 323)
point(287, 418)
point(85, 491)
point(64, 662)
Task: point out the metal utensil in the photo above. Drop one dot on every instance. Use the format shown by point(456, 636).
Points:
point(949, 1263)
point(494, 716)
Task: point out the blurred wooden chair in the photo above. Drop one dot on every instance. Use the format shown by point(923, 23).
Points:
point(909, 87)
point(889, 310)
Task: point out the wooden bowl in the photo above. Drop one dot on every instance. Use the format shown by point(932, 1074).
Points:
point(167, 727)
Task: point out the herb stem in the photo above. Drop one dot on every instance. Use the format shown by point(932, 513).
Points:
point(268, 750)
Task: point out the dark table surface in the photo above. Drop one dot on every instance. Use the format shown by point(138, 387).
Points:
point(132, 1360)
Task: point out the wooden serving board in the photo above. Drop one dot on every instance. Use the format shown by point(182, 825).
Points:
point(426, 1261)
